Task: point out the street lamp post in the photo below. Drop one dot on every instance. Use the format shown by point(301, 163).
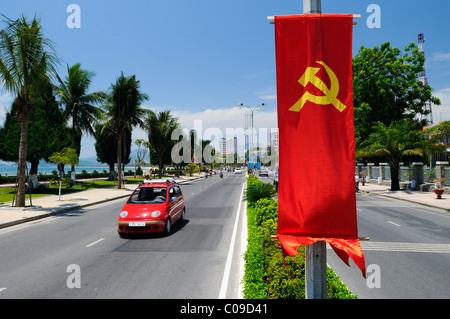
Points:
point(316, 254)
point(252, 110)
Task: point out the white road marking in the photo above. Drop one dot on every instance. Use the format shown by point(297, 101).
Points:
point(393, 223)
point(2, 289)
point(244, 243)
point(406, 247)
point(226, 273)
point(95, 242)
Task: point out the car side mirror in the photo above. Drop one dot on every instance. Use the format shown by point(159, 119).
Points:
point(173, 199)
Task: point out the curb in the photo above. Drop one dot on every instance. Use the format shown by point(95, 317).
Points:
point(407, 200)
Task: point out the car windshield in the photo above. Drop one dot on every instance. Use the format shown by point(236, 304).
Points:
point(148, 195)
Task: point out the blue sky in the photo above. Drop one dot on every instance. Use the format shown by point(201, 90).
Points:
point(201, 58)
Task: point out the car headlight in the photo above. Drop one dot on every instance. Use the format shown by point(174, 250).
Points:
point(123, 214)
point(156, 213)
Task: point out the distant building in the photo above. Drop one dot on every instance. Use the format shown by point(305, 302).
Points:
point(228, 147)
point(274, 142)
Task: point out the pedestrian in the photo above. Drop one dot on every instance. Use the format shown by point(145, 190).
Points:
point(357, 182)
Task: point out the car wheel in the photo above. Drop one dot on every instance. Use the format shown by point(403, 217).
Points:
point(183, 215)
point(167, 227)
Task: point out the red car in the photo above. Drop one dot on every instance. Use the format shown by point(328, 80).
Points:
point(153, 207)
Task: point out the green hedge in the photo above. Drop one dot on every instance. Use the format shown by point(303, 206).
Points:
point(267, 275)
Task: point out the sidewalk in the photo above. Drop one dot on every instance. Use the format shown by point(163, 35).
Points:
point(424, 198)
point(51, 205)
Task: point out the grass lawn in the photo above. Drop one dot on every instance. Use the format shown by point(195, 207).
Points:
point(7, 193)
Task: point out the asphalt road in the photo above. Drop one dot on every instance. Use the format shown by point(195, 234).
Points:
point(408, 255)
point(42, 259)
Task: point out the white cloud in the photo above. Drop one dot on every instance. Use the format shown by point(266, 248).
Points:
point(440, 56)
point(227, 118)
point(442, 112)
point(218, 123)
point(211, 121)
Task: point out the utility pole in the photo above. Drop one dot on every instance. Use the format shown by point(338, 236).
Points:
point(312, 6)
point(252, 110)
point(316, 254)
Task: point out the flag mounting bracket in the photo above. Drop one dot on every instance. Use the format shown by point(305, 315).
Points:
point(272, 18)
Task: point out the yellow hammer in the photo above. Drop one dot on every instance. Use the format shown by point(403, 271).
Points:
point(330, 94)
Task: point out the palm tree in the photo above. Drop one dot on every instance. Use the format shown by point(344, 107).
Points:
point(27, 61)
point(160, 127)
point(124, 111)
point(400, 138)
point(78, 103)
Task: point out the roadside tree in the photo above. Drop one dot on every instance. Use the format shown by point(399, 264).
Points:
point(79, 105)
point(159, 128)
point(400, 138)
point(66, 156)
point(386, 88)
point(27, 61)
point(47, 133)
point(124, 112)
point(106, 148)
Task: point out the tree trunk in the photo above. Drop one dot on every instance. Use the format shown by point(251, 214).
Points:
point(395, 168)
point(76, 138)
point(61, 170)
point(23, 120)
point(112, 173)
point(119, 161)
point(33, 174)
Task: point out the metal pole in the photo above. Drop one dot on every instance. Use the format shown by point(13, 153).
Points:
point(252, 109)
point(316, 271)
point(312, 6)
point(316, 254)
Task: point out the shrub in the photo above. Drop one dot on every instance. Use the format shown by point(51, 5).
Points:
point(266, 209)
point(257, 190)
point(335, 288)
point(254, 285)
point(287, 277)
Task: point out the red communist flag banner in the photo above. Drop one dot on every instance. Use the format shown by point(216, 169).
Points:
point(316, 196)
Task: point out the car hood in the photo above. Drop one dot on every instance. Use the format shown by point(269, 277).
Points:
point(142, 210)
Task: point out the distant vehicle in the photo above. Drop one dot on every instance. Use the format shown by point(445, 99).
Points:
point(153, 207)
point(264, 172)
point(237, 171)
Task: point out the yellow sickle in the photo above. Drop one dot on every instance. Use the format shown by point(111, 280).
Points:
point(330, 95)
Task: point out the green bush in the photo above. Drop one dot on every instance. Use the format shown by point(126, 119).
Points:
point(266, 209)
point(254, 284)
point(257, 190)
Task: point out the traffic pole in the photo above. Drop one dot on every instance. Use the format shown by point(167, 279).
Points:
point(312, 6)
point(316, 254)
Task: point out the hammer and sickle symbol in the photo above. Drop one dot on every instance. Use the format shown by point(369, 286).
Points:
point(330, 94)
